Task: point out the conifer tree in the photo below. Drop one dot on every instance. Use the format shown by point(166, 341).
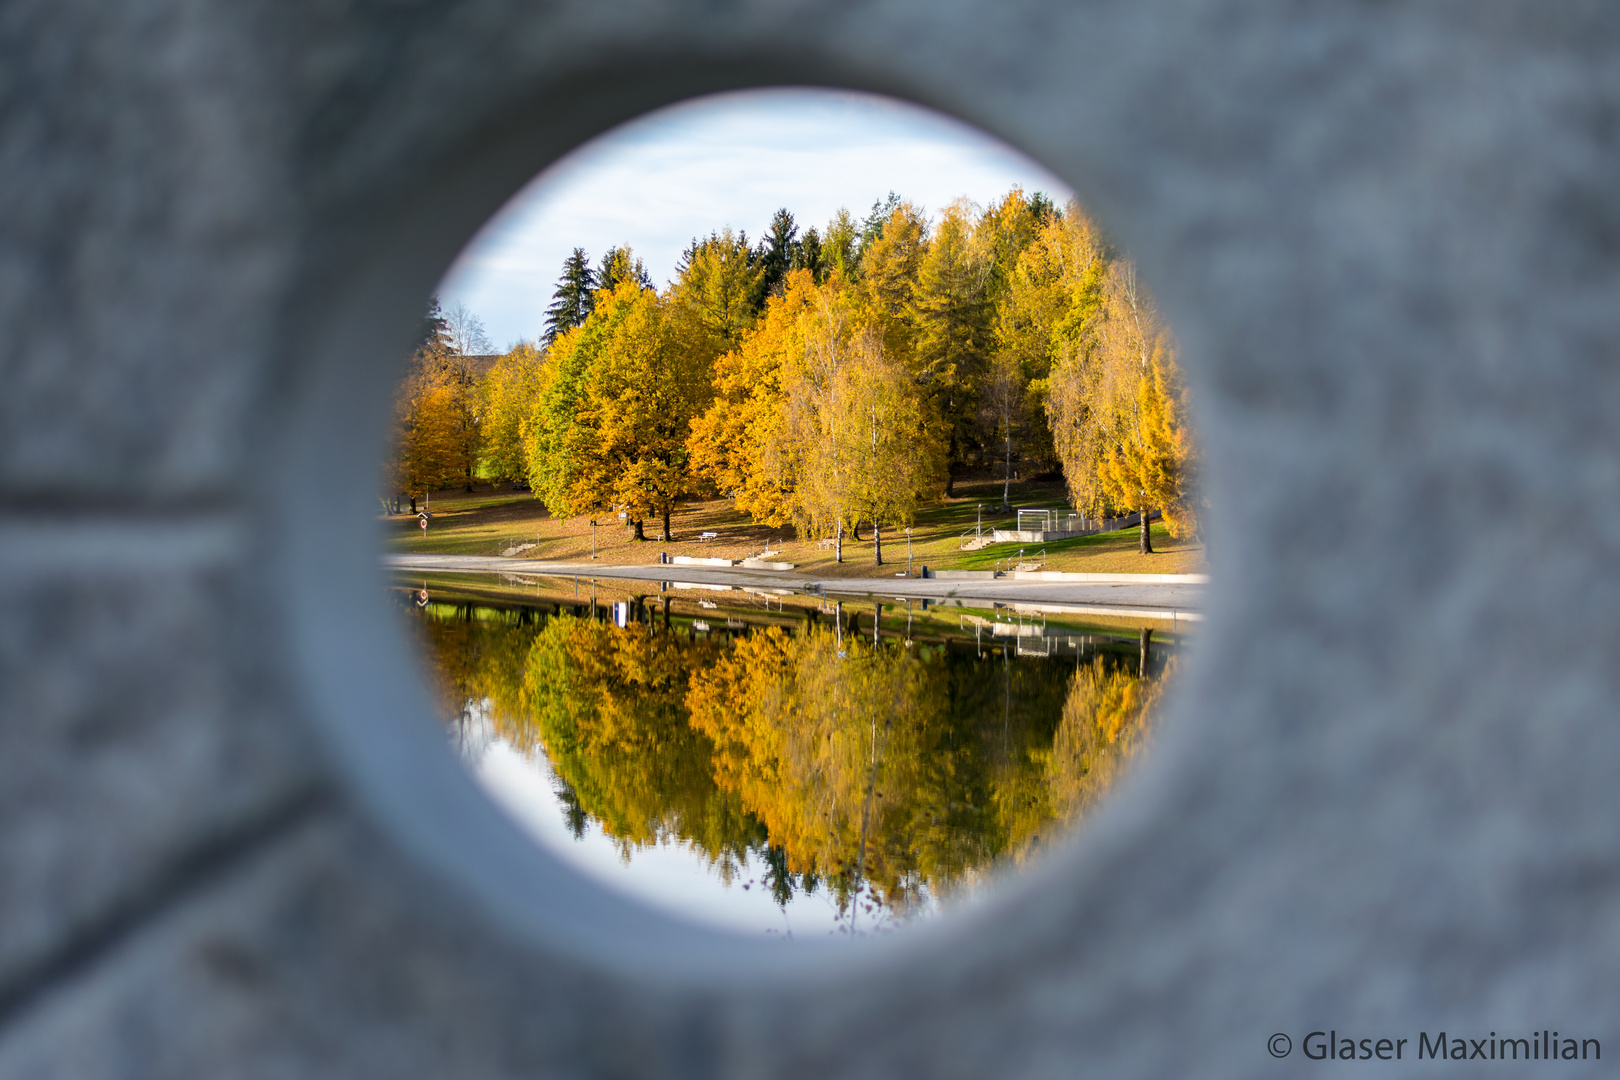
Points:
point(775, 256)
point(807, 254)
point(572, 302)
point(620, 265)
point(435, 333)
point(841, 247)
point(890, 263)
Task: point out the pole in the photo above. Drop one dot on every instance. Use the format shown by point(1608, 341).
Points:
point(593, 538)
point(908, 551)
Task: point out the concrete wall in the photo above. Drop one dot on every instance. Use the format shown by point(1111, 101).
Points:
point(232, 845)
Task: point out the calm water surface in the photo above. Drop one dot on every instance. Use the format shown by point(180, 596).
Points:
point(782, 763)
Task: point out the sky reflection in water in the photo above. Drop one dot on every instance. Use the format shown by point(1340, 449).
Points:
point(757, 762)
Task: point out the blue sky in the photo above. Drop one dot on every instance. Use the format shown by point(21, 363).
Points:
point(729, 159)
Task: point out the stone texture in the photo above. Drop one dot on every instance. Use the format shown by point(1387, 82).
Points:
point(142, 739)
point(1387, 236)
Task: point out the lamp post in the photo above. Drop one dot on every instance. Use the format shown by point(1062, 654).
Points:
point(978, 527)
point(908, 551)
point(593, 538)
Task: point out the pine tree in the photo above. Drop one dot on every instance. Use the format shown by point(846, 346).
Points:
point(572, 302)
point(774, 257)
point(435, 328)
point(841, 248)
point(807, 254)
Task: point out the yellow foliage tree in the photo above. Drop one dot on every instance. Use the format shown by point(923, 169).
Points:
point(736, 444)
point(950, 307)
point(437, 427)
point(617, 399)
point(507, 394)
point(1107, 721)
point(1116, 403)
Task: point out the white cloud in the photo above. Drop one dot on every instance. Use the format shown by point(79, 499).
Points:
point(731, 159)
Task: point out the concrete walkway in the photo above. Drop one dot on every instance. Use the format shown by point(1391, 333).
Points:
point(1130, 596)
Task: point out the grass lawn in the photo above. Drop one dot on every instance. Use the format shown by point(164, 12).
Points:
point(500, 520)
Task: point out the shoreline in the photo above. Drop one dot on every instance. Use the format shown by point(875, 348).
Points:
point(1161, 596)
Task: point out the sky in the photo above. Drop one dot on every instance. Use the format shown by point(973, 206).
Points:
point(673, 875)
point(729, 159)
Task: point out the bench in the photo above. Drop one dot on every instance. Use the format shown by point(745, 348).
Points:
point(707, 536)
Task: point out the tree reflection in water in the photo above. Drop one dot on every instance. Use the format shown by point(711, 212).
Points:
point(890, 773)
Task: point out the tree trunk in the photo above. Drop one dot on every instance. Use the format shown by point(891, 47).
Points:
point(838, 542)
point(1142, 663)
point(950, 483)
point(639, 534)
point(667, 536)
point(1147, 537)
point(413, 506)
point(877, 542)
point(1006, 483)
point(855, 530)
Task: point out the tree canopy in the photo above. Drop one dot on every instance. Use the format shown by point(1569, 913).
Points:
point(828, 378)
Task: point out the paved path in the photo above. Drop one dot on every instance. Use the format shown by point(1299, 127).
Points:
point(1135, 599)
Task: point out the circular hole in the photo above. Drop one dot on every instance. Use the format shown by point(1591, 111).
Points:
point(904, 434)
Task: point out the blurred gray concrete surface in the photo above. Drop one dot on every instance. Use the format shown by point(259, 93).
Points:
point(1384, 802)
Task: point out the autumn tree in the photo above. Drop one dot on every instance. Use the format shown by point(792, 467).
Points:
point(508, 394)
point(437, 429)
point(852, 441)
point(951, 309)
point(814, 422)
point(615, 415)
point(556, 444)
point(1052, 289)
point(1115, 405)
point(737, 444)
point(717, 280)
point(890, 264)
point(875, 420)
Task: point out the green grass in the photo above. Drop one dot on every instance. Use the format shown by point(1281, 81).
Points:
point(489, 522)
point(1110, 545)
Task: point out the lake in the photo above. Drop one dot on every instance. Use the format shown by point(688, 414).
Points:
point(778, 762)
